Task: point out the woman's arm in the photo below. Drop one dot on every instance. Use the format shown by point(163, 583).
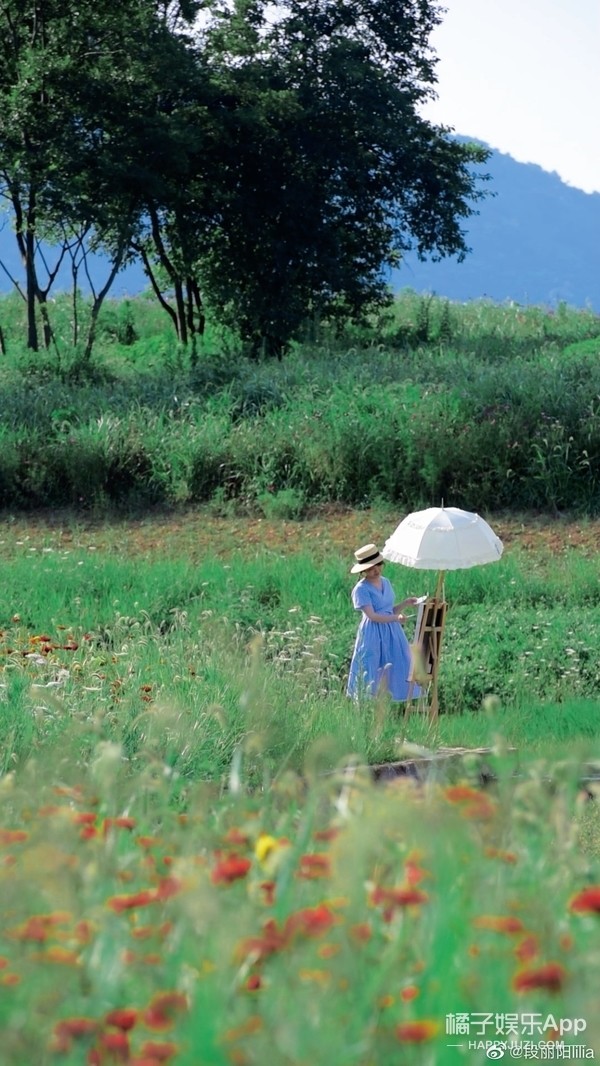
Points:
point(373, 616)
point(410, 601)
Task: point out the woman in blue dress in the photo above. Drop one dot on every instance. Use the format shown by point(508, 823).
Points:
point(381, 660)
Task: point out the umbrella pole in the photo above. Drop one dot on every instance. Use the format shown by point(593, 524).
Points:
point(439, 599)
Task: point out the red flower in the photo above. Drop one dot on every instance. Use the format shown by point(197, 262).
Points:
point(416, 1032)
point(327, 834)
point(527, 948)
point(236, 837)
point(76, 1027)
point(504, 856)
point(117, 1044)
point(122, 1018)
point(314, 866)
point(132, 901)
point(120, 823)
point(84, 817)
point(402, 896)
point(167, 887)
point(261, 947)
point(162, 1009)
point(550, 976)
point(587, 901)
point(398, 897)
point(230, 868)
point(268, 890)
point(159, 1052)
point(39, 926)
point(409, 992)
point(311, 921)
point(362, 932)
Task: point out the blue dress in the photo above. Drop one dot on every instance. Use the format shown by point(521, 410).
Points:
point(381, 658)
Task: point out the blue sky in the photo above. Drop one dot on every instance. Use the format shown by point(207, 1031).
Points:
point(524, 76)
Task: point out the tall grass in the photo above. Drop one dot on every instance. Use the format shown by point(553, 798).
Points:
point(253, 655)
point(490, 407)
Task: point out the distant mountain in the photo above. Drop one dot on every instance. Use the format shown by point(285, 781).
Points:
point(535, 241)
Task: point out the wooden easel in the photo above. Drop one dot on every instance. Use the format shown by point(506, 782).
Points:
point(427, 642)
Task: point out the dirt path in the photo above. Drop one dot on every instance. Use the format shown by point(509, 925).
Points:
point(195, 533)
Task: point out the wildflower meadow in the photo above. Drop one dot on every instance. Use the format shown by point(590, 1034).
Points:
point(209, 855)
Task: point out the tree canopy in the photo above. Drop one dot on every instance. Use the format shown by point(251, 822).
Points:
point(266, 163)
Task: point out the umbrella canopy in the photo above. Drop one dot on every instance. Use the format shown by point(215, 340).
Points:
point(442, 538)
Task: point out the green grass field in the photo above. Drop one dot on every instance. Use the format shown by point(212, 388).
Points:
point(195, 866)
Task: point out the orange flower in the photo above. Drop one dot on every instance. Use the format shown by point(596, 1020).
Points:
point(154, 1052)
point(314, 866)
point(409, 992)
point(252, 1025)
point(416, 1032)
point(58, 954)
point(230, 868)
point(414, 873)
point(550, 976)
point(253, 983)
point(461, 794)
point(147, 841)
point(499, 924)
point(39, 926)
point(12, 836)
point(474, 804)
point(587, 901)
point(132, 901)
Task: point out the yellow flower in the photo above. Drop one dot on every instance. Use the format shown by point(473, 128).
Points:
point(270, 852)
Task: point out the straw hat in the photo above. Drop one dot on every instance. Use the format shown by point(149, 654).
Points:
point(366, 557)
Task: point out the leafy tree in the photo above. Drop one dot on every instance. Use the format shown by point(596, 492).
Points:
point(80, 140)
point(331, 172)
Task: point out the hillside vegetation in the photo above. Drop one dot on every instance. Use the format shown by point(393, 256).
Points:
point(485, 406)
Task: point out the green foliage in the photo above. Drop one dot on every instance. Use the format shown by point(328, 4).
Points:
point(226, 648)
point(506, 415)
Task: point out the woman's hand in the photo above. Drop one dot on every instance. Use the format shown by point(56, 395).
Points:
point(410, 601)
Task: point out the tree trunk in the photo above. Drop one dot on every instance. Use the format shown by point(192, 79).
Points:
point(31, 286)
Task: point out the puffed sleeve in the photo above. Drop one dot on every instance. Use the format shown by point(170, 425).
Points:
point(361, 596)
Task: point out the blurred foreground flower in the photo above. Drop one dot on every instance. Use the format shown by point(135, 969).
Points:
point(416, 1032)
point(587, 901)
point(550, 976)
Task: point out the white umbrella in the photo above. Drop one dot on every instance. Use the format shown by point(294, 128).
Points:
point(441, 538)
